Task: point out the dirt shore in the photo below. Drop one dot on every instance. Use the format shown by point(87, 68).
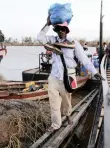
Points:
point(26, 120)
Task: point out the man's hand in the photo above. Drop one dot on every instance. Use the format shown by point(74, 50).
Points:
point(99, 77)
point(48, 21)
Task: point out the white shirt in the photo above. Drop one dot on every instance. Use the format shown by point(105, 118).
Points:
point(57, 67)
point(105, 47)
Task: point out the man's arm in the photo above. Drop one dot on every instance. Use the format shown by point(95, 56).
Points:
point(42, 37)
point(79, 52)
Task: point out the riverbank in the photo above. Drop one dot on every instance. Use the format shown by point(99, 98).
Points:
point(23, 121)
point(90, 44)
point(22, 44)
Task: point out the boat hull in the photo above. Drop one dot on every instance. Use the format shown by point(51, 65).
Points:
point(12, 90)
point(29, 95)
point(34, 75)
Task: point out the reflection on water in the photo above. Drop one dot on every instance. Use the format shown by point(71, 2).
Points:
point(20, 58)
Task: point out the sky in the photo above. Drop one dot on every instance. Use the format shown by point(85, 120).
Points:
point(20, 18)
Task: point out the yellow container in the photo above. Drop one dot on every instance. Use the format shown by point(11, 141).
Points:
point(29, 84)
point(82, 73)
point(45, 86)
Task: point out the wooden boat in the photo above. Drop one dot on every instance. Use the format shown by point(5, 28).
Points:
point(20, 90)
point(42, 73)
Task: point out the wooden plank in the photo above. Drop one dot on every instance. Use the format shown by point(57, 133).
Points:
point(4, 93)
point(37, 97)
point(25, 95)
point(89, 97)
point(18, 85)
point(11, 87)
point(31, 70)
point(100, 122)
point(102, 112)
point(58, 140)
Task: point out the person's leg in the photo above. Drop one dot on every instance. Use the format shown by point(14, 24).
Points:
point(76, 70)
point(1, 43)
point(108, 61)
point(1, 57)
point(55, 103)
point(66, 103)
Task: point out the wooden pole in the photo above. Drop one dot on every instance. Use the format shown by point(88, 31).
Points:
point(101, 37)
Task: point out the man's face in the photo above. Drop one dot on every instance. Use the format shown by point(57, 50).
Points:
point(61, 31)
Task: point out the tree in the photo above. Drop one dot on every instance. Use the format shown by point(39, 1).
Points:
point(27, 40)
point(8, 40)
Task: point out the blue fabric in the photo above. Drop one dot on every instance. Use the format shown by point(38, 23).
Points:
point(96, 64)
point(96, 61)
point(84, 70)
point(59, 13)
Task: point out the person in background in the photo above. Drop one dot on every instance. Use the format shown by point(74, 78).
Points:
point(97, 48)
point(108, 55)
point(46, 61)
point(85, 47)
point(1, 57)
point(2, 48)
point(1, 39)
point(59, 98)
point(108, 49)
point(104, 47)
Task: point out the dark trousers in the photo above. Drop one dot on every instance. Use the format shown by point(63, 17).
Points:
point(1, 57)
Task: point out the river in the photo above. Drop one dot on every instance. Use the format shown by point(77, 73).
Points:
point(20, 58)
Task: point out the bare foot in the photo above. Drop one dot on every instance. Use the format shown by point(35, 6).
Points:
point(69, 120)
point(51, 129)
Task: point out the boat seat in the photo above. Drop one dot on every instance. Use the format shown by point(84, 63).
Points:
point(46, 67)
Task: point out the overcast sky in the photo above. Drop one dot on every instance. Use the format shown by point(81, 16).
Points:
point(19, 18)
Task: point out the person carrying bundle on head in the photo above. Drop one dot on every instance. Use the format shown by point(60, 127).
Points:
point(1, 39)
point(59, 97)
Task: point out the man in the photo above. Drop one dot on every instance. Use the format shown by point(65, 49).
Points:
point(1, 38)
point(1, 57)
point(108, 55)
point(104, 47)
point(46, 61)
point(85, 47)
point(59, 98)
point(100, 53)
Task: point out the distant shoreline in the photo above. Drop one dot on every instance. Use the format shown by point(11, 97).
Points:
point(22, 44)
point(33, 44)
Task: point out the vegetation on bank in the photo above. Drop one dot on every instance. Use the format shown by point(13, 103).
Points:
point(25, 41)
point(29, 41)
